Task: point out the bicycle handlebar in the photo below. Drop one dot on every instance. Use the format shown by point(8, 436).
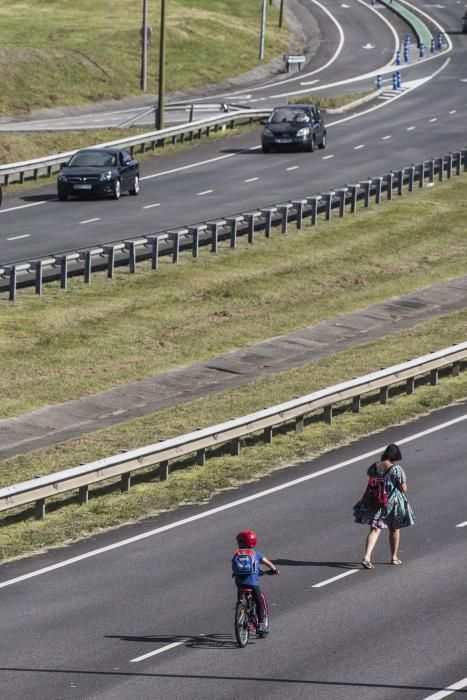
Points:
point(263, 572)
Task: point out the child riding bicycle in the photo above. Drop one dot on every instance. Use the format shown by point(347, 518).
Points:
point(245, 570)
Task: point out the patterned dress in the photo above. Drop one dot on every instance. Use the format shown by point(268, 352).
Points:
point(397, 513)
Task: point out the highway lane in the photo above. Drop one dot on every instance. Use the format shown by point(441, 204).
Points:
point(232, 176)
point(152, 616)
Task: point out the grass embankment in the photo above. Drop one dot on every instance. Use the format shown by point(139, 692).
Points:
point(68, 344)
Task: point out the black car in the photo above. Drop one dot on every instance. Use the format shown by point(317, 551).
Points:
point(294, 125)
point(106, 171)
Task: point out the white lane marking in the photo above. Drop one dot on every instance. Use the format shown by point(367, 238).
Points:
point(23, 206)
point(157, 651)
point(335, 578)
point(293, 167)
point(453, 111)
point(251, 179)
point(385, 138)
point(195, 165)
point(90, 221)
point(434, 119)
point(309, 82)
point(411, 128)
point(327, 157)
point(356, 148)
point(462, 524)
point(201, 194)
point(226, 506)
point(16, 238)
point(448, 691)
point(150, 206)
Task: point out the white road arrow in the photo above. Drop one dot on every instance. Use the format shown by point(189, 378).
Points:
point(368, 46)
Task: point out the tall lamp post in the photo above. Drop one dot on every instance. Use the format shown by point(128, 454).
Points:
point(144, 49)
point(160, 105)
point(263, 31)
point(281, 13)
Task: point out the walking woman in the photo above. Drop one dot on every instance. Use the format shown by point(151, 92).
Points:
point(384, 504)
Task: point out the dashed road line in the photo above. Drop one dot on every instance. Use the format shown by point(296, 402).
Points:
point(327, 157)
point(462, 524)
point(385, 138)
point(251, 179)
point(200, 194)
point(90, 221)
point(293, 167)
point(453, 111)
point(336, 578)
point(356, 148)
point(434, 119)
point(16, 238)
point(157, 651)
point(22, 206)
point(150, 206)
point(448, 691)
point(411, 128)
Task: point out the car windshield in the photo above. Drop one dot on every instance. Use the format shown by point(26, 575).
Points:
point(289, 114)
point(93, 159)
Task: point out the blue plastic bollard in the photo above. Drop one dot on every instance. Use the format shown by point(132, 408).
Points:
point(398, 79)
point(407, 39)
point(394, 81)
point(422, 50)
point(440, 41)
point(373, 2)
point(406, 55)
point(432, 45)
point(379, 82)
point(398, 58)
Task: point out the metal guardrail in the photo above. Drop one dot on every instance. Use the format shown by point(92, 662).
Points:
point(147, 141)
point(37, 490)
point(127, 252)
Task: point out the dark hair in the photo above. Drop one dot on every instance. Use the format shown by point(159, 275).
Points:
point(392, 453)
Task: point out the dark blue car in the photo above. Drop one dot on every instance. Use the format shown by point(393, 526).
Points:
point(99, 171)
point(300, 126)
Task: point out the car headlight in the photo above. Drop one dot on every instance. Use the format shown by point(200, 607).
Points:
point(106, 176)
point(62, 178)
point(268, 132)
point(303, 132)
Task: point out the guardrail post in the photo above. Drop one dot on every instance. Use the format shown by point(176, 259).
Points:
point(341, 193)
point(356, 404)
point(131, 248)
point(458, 162)
point(235, 447)
point(298, 204)
point(410, 385)
point(384, 394)
point(62, 260)
point(456, 368)
point(366, 185)
point(175, 238)
point(434, 377)
point(267, 216)
point(449, 166)
point(327, 204)
point(313, 202)
point(441, 168)
point(37, 266)
point(164, 470)
point(378, 183)
point(283, 209)
point(432, 169)
point(299, 424)
point(353, 189)
point(267, 435)
point(12, 285)
point(154, 243)
point(40, 509)
point(233, 222)
point(464, 153)
point(194, 232)
point(328, 415)
point(213, 227)
point(250, 219)
point(83, 495)
point(201, 457)
point(109, 250)
point(389, 185)
point(400, 182)
point(86, 256)
point(125, 482)
point(411, 172)
point(421, 174)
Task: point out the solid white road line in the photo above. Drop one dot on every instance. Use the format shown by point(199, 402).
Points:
point(434, 119)
point(293, 167)
point(157, 651)
point(335, 578)
point(385, 138)
point(201, 194)
point(327, 157)
point(411, 128)
point(357, 148)
point(251, 179)
point(453, 111)
point(448, 691)
point(462, 524)
point(150, 206)
point(22, 206)
point(16, 238)
point(89, 221)
point(227, 506)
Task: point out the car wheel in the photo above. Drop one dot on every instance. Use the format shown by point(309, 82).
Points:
point(135, 189)
point(312, 144)
point(116, 190)
point(62, 196)
point(323, 142)
point(266, 149)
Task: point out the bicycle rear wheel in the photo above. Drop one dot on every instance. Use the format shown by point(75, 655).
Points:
point(266, 616)
point(241, 625)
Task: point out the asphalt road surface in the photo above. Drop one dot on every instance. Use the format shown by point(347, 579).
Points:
point(147, 611)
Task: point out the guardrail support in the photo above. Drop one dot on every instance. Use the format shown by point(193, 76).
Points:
point(366, 187)
point(378, 183)
point(384, 394)
point(313, 202)
point(456, 368)
point(267, 435)
point(464, 153)
point(12, 283)
point(235, 447)
point(356, 404)
point(421, 174)
point(449, 166)
point(267, 215)
point(40, 509)
point(201, 457)
point(328, 415)
point(131, 248)
point(233, 222)
point(441, 168)
point(353, 189)
point(213, 228)
point(62, 260)
point(37, 267)
point(431, 165)
point(400, 182)
point(458, 162)
point(299, 422)
point(327, 204)
point(298, 205)
point(175, 238)
point(411, 175)
point(164, 470)
point(389, 185)
point(194, 232)
point(109, 250)
point(83, 495)
point(250, 219)
point(154, 243)
point(86, 256)
point(341, 194)
point(410, 385)
point(125, 482)
point(434, 377)
point(283, 210)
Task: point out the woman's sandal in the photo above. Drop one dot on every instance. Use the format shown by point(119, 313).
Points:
point(367, 564)
point(396, 561)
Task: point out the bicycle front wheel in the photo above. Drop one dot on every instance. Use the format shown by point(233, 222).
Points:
point(241, 625)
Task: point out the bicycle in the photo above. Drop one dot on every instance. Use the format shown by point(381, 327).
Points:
point(246, 616)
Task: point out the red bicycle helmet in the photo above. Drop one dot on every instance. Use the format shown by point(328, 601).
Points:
point(246, 538)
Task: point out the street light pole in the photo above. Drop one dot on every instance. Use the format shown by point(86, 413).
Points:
point(263, 31)
point(281, 13)
point(160, 106)
point(144, 51)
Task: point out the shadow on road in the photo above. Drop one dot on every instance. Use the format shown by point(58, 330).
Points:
point(201, 641)
point(330, 564)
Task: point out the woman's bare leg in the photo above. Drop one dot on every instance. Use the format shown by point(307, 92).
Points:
point(394, 540)
point(370, 543)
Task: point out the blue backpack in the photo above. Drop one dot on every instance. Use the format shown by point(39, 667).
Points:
point(244, 562)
